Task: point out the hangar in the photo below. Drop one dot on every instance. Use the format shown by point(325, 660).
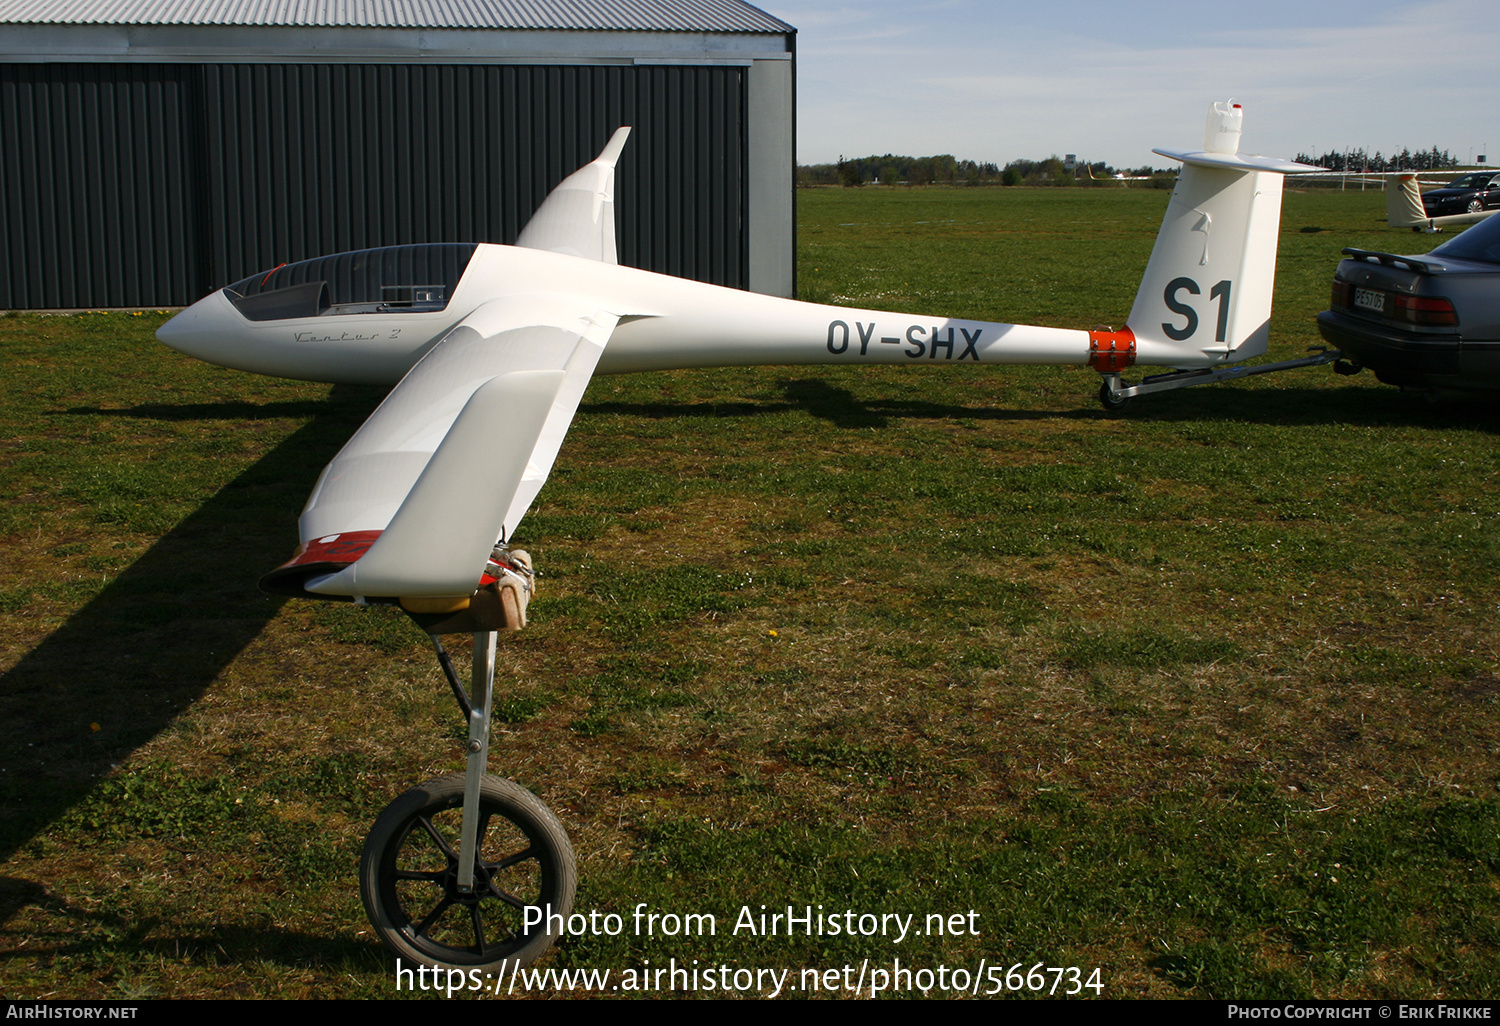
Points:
point(154, 150)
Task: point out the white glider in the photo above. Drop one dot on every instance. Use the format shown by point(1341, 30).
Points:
point(1403, 199)
point(490, 349)
point(1404, 207)
point(493, 346)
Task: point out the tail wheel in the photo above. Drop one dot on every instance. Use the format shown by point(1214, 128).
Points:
point(408, 876)
point(1109, 401)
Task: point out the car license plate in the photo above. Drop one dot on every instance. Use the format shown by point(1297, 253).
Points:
point(1370, 299)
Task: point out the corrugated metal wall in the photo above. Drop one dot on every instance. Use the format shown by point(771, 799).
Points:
point(151, 185)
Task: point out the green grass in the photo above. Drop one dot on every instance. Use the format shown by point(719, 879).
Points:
point(1204, 696)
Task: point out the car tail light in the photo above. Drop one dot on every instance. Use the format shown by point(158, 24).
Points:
point(1343, 294)
point(1426, 310)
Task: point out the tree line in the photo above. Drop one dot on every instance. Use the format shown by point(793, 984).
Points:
point(1358, 160)
point(946, 169)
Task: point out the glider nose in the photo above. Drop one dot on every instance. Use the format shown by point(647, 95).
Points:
point(201, 330)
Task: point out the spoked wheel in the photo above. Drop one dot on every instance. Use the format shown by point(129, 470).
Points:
point(408, 876)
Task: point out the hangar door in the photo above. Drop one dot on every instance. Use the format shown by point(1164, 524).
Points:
point(151, 185)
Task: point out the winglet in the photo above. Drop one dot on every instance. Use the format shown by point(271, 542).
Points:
point(578, 217)
point(610, 155)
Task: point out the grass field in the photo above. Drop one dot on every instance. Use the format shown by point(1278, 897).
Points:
point(1204, 696)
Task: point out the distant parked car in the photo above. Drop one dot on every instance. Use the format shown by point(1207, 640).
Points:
point(1467, 194)
point(1429, 322)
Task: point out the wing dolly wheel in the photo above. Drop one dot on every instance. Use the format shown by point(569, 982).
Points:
point(409, 879)
point(468, 870)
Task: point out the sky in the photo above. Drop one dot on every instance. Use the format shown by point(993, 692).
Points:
point(1000, 81)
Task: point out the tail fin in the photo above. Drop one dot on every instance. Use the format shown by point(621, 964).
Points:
point(578, 217)
point(1403, 203)
point(1404, 207)
point(1206, 296)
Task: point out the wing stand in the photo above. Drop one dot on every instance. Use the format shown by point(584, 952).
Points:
point(469, 869)
point(490, 886)
point(479, 754)
point(498, 604)
point(476, 710)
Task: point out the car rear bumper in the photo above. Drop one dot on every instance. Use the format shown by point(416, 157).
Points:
point(1411, 360)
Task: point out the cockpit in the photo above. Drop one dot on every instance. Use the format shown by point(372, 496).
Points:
point(392, 279)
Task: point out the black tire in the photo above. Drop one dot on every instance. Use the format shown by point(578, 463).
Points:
point(1108, 400)
point(408, 876)
point(1476, 205)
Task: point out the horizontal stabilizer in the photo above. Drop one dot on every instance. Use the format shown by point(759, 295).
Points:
point(1238, 161)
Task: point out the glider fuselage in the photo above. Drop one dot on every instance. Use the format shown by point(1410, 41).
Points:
point(665, 323)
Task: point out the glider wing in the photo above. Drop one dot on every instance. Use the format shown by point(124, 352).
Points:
point(449, 463)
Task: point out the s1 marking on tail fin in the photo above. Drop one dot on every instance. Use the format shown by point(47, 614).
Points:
point(1206, 295)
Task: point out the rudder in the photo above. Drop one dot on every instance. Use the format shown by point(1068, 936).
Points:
point(1403, 203)
point(1206, 295)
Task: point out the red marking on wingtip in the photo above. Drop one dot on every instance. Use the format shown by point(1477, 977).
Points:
point(339, 548)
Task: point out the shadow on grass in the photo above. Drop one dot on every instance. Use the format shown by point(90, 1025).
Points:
point(76, 930)
point(825, 401)
point(1370, 405)
point(183, 412)
point(131, 660)
point(1354, 405)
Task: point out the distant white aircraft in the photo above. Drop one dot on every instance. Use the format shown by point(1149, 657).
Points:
point(1403, 198)
point(1119, 176)
point(1404, 207)
point(490, 349)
